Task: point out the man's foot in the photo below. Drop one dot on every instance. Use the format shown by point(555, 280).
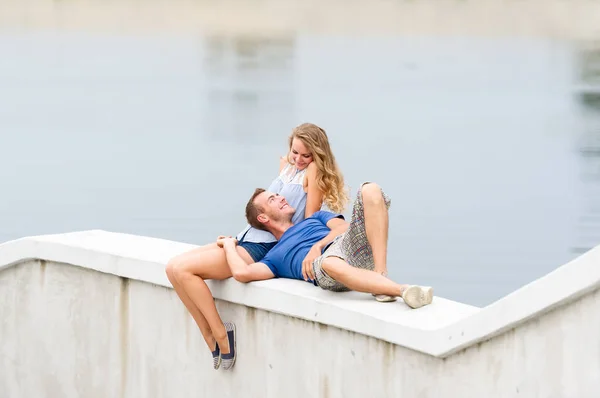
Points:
point(384, 298)
point(228, 360)
point(417, 296)
point(216, 354)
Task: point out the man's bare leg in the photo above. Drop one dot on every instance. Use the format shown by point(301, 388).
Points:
point(376, 224)
point(362, 280)
point(190, 275)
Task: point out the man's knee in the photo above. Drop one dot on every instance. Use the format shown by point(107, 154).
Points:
point(333, 266)
point(372, 193)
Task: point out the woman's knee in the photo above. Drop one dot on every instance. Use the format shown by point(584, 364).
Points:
point(171, 267)
point(207, 264)
point(179, 266)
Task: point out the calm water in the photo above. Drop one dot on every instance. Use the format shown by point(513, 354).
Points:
point(487, 147)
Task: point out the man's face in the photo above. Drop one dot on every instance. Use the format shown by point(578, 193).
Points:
point(274, 207)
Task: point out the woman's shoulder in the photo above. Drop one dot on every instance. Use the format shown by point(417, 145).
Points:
point(283, 164)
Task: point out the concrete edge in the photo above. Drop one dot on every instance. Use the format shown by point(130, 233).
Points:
point(565, 284)
point(561, 286)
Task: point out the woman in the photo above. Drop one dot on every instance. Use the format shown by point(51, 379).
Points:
point(308, 178)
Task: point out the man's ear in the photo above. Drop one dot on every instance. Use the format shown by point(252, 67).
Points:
point(262, 218)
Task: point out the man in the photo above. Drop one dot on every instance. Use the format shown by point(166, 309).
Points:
point(324, 249)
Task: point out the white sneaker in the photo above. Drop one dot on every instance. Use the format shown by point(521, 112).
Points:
point(384, 298)
point(417, 296)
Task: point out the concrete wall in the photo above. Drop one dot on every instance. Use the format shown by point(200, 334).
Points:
point(107, 325)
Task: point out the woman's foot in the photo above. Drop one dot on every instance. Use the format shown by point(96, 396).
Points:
point(228, 360)
point(216, 354)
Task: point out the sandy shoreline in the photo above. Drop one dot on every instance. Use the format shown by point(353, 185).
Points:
point(553, 19)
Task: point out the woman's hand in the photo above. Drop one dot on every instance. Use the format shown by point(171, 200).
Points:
point(307, 269)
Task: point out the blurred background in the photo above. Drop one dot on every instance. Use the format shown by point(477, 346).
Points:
point(481, 120)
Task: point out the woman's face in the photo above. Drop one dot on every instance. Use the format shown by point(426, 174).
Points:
point(300, 154)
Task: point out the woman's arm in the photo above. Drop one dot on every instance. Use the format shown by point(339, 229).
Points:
point(314, 196)
point(282, 163)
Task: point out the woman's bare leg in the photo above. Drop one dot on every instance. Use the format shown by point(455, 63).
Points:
point(187, 273)
point(180, 260)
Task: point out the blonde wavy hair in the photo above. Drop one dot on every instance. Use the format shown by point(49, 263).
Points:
point(330, 180)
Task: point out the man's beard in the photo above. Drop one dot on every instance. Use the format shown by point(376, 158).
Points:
point(283, 218)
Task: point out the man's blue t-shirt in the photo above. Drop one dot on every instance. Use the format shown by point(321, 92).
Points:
point(285, 258)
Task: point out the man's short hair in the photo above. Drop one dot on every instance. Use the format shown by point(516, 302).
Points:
point(252, 211)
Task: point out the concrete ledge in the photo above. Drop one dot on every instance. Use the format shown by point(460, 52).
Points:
point(439, 330)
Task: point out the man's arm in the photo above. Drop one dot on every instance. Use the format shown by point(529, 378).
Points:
point(241, 271)
point(337, 226)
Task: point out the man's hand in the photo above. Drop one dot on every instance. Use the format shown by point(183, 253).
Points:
point(307, 269)
point(224, 241)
